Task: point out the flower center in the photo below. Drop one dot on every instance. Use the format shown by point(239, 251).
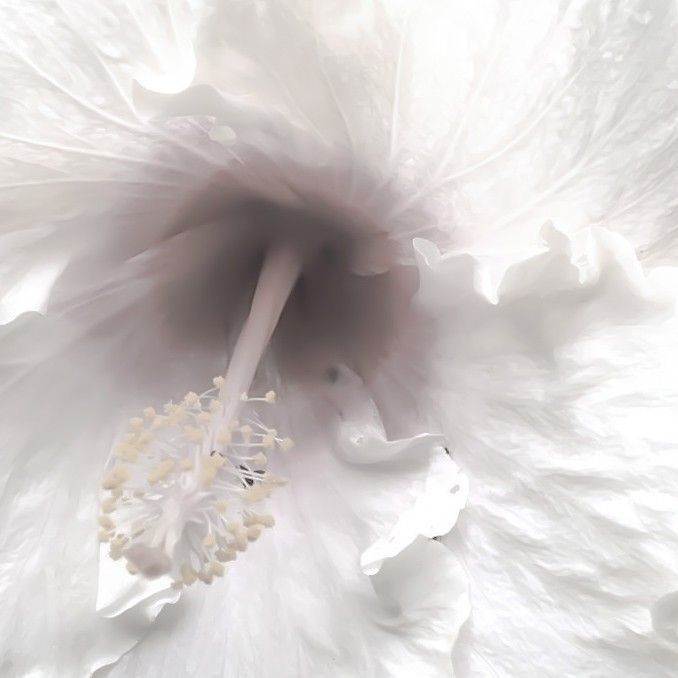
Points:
point(186, 490)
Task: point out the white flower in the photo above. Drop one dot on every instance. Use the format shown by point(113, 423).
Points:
point(339, 209)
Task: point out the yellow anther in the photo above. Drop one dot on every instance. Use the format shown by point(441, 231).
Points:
point(204, 417)
point(136, 423)
point(104, 536)
point(268, 441)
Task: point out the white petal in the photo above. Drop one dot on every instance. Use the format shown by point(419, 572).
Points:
point(561, 405)
point(53, 446)
point(298, 602)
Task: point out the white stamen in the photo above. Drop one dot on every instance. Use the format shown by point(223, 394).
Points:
point(185, 500)
point(191, 479)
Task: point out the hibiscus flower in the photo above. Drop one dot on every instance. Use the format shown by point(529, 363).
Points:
point(326, 345)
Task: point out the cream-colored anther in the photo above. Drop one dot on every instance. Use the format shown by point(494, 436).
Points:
point(149, 412)
point(214, 405)
point(259, 461)
point(263, 519)
point(209, 540)
point(240, 539)
point(246, 432)
point(136, 423)
point(255, 493)
point(218, 381)
point(115, 477)
point(193, 434)
point(161, 471)
point(206, 576)
point(115, 553)
point(185, 464)
point(109, 504)
point(191, 398)
point(270, 396)
point(144, 438)
point(176, 416)
point(286, 444)
point(225, 437)
point(216, 569)
point(226, 555)
point(266, 519)
point(126, 452)
point(159, 421)
point(188, 574)
point(254, 532)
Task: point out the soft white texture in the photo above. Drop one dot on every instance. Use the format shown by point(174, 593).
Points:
point(564, 402)
point(558, 380)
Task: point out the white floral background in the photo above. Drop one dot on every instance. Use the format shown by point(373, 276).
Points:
point(524, 157)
